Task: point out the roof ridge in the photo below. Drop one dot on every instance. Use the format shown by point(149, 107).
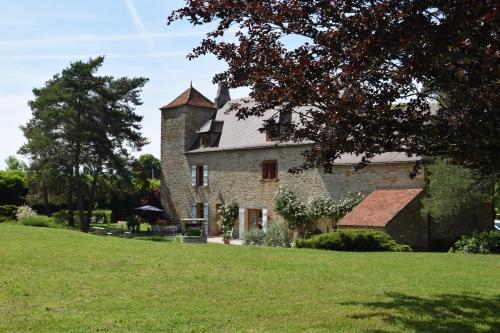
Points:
point(191, 97)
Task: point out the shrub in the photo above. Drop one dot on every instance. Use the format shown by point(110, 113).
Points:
point(39, 221)
point(133, 224)
point(24, 212)
point(101, 216)
point(254, 237)
point(8, 212)
point(193, 232)
point(277, 235)
point(227, 216)
point(302, 217)
point(61, 216)
point(353, 240)
point(13, 187)
point(483, 242)
point(295, 212)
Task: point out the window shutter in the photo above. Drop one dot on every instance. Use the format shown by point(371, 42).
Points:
point(205, 216)
point(264, 220)
point(193, 175)
point(193, 210)
point(241, 227)
point(205, 175)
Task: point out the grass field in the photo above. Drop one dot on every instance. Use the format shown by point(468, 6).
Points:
point(64, 281)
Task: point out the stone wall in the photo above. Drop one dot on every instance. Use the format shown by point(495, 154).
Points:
point(236, 175)
point(409, 227)
point(178, 133)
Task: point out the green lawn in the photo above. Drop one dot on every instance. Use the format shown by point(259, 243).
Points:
point(64, 281)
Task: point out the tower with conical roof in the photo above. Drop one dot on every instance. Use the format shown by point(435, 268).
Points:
point(180, 119)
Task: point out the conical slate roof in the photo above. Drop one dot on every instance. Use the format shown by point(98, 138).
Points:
point(191, 97)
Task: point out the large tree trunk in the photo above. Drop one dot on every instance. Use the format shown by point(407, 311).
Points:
point(69, 200)
point(46, 200)
point(79, 193)
point(92, 196)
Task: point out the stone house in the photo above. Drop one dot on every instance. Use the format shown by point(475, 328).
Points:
point(210, 157)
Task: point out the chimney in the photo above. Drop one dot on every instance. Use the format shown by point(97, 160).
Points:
point(222, 95)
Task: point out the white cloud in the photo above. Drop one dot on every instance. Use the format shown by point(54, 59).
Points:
point(58, 56)
point(139, 25)
point(78, 39)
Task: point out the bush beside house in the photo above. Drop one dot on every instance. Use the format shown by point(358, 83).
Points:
point(483, 242)
point(353, 240)
point(276, 235)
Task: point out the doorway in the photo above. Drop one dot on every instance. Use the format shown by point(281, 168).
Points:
point(254, 219)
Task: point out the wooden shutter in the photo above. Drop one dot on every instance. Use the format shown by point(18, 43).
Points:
point(264, 220)
point(205, 175)
point(193, 175)
point(265, 173)
point(193, 210)
point(272, 170)
point(241, 227)
point(205, 216)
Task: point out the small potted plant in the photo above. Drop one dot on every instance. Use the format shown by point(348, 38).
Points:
point(227, 217)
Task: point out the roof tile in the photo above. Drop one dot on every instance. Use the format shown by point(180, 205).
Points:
point(190, 97)
point(379, 207)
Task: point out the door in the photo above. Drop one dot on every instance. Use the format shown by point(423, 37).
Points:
point(254, 219)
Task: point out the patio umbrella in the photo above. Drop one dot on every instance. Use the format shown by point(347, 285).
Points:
point(149, 213)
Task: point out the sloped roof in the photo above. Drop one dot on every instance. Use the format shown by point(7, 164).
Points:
point(379, 207)
point(211, 126)
point(245, 134)
point(190, 97)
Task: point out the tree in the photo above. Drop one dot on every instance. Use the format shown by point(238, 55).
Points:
point(91, 121)
point(147, 167)
point(453, 189)
point(227, 217)
point(12, 187)
point(371, 72)
point(13, 163)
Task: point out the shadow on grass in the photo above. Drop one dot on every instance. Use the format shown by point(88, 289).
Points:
point(440, 314)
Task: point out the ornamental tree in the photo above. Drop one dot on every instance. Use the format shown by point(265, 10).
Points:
point(227, 217)
point(416, 76)
point(303, 216)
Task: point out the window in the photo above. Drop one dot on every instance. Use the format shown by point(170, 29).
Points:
point(204, 139)
point(277, 130)
point(200, 210)
point(269, 170)
point(199, 175)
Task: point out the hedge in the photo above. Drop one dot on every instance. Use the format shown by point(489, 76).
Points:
point(8, 212)
point(40, 221)
point(353, 240)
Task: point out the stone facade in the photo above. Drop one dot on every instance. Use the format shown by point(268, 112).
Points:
point(178, 133)
point(237, 174)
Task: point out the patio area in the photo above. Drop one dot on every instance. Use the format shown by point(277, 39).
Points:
point(218, 240)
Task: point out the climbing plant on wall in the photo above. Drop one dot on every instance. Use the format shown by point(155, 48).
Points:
point(303, 216)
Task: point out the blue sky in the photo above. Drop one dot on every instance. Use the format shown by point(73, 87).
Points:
point(40, 38)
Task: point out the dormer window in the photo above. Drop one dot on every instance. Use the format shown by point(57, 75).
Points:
point(209, 134)
point(204, 139)
point(276, 129)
